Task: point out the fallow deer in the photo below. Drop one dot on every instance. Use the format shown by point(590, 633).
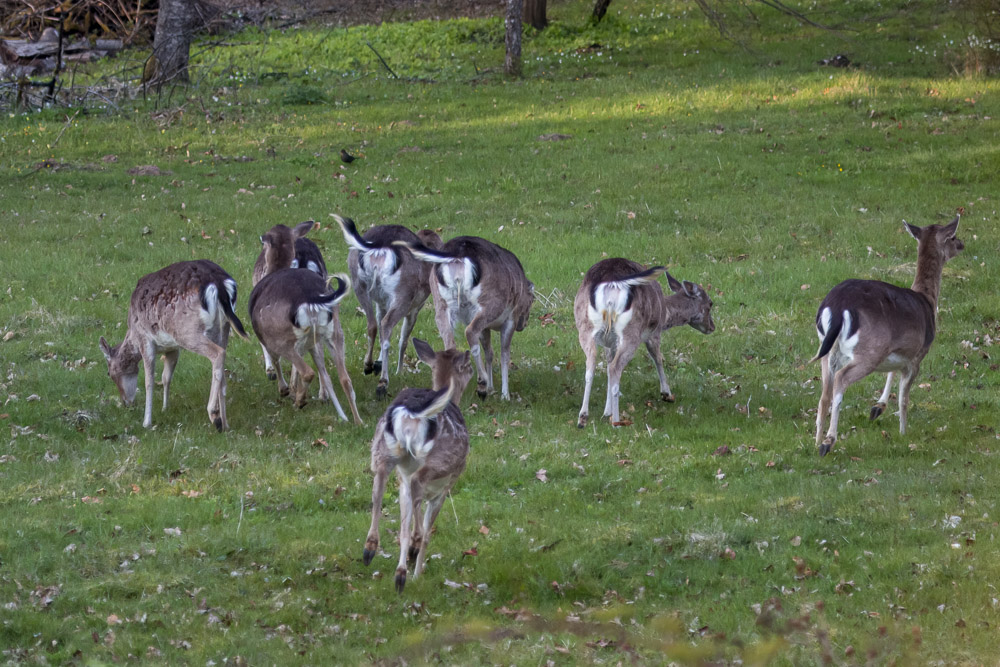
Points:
point(391, 287)
point(619, 305)
point(188, 305)
point(483, 286)
point(308, 256)
point(868, 326)
point(423, 436)
point(292, 313)
point(280, 248)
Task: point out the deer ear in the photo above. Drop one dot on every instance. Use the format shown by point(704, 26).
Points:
point(914, 231)
point(303, 228)
point(691, 289)
point(675, 284)
point(424, 351)
point(105, 348)
point(951, 228)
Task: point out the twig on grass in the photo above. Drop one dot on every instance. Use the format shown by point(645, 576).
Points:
point(382, 60)
point(68, 122)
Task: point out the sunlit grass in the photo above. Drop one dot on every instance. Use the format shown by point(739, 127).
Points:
point(759, 174)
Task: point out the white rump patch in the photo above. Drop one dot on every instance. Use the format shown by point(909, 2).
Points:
point(848, 343)
point(312, 315)
point(411, 433)
point(609, 316)
point(824, 322)
point(209, 314)
point(462, 298)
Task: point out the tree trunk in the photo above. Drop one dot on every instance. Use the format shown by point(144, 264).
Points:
point(175, 24)
point(600, 9)
point(512, 24)
point(534, 13)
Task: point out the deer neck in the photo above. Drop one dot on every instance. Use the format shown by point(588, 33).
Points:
point(674, 313)
point(128, 353)
point(928, 278)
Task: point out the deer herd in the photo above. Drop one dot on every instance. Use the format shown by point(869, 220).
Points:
point(864, 326)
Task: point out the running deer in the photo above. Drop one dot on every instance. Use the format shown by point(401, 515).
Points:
point(483, 286)
point(868, 326)
point(188, 305)
point(391, 287)
point(422, 435)
point(619, 305)
point(283, 248)
point(292, 313)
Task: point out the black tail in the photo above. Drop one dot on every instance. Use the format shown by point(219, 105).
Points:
point(227, 308)
point(351, 234)
point(836, 324)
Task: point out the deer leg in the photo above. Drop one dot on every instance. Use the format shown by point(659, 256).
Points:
point(417, 538)
point(149, 369)
point(826, 396)
point(335, 343)
point(906, 379)
point(430, 516)
point(842, 379)
point(506, 336)
point(378, 492)
point(626, 350)
point(883, 400)
point(405, 528)
point(590, 353)
point(389, 322)
point(653, 348)
point(216, 397)
point(366, 305)
point(474, 334)
point(169, 364)
point(442, 317)
point(326, 385)
point(405, 329)
point(269, 364)
point(302, 380)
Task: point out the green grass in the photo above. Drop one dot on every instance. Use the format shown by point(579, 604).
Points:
point(757, 173)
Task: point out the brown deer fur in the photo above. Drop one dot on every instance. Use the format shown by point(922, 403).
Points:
point(391, 287)
point(868, 326)
point(188, 305)
point(423, 436)
point(620, 305)
point(483, 286)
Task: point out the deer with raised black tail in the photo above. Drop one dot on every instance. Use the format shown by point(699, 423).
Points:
point(868, 326)
point(482, 286)
point(285, 247)
point(188, 305)
point(391, 287)
point(620, 305)
point(293, 313)
point(423, 436)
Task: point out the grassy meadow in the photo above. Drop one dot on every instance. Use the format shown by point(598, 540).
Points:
point(708, 530)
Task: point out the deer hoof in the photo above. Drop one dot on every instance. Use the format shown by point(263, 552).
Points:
point(481, 390)
point(669, 398)
point(369, 369)
point(271, 375)
point(400, 580)
point(284, 391)
point(377, 367)
point(582, 421)
point(217, 423)
point(876, 411)
point(382, 390)
point(827, 445)
point(412, 555)
point(368, 554)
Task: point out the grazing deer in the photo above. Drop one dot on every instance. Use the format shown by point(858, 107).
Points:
point(423, 436)
point(391, 287)
point(868, 326)
point(280, 248)
point(292, 313)
point(483, 286)
point(619, 305)
point(188, 305)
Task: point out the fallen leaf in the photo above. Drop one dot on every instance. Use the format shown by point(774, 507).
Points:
point(173, 532)
point(190, 493)
point(540, 475)
point(796, 541)
point(484, 530)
